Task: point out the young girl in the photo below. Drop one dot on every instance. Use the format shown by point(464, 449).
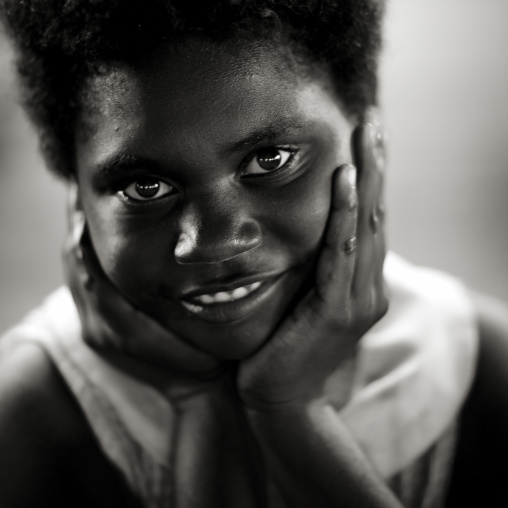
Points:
point(225, 339)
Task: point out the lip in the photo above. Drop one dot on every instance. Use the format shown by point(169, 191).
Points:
point(229, 284)
point(225, 312)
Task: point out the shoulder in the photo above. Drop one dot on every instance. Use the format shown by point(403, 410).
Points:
point(35, 424)
point(491, 380)
point(45, 441)
point(413, 283)
point(429, 302)
point(31, 391)
point(481, 466)
point(493, 323)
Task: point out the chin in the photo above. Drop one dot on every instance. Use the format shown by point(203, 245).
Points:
point(229, 330)
point(237, 340)
point(233, 339)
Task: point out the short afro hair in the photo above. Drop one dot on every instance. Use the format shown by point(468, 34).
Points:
point(61, 42)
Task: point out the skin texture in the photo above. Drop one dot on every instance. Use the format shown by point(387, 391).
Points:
point(479, 475)
point(196, 121)
point(269, 412)
point(180, 114)
point(46, 442)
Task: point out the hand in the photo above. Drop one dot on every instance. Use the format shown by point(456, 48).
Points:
point(209, 427)
point(347, 298)
point(113, 326)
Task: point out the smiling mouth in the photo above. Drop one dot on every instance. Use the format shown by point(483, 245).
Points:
point(233, 305)
point(226, 296)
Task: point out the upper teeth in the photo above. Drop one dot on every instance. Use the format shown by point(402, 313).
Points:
point(227, 296)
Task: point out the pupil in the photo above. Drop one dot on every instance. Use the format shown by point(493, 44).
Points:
point(270, 159)
point(147, 188)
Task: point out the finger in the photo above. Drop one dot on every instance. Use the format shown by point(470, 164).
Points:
point(90, 260)
point(72, 197)
point(152, 343)
point(380, 248)
point(74, 269)
point(369, 184)
point(75, 272)
point(381, 288)
point(372, 118)
point(336, 262)
point(369, 284)
point(378, 212)
point(75, 217)
point(134, 332)
point(108, 320)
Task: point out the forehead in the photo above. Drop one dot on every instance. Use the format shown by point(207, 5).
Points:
point(204, 91)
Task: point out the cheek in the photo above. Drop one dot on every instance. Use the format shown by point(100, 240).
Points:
point(132, 255)
point(306, 203)
point(303, 210)
point(307, 211)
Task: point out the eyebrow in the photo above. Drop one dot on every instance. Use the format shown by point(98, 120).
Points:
point(124, 162)
point(274, 130)
point(121, 162)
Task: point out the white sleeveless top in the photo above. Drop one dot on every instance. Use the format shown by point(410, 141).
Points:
point(414, 370)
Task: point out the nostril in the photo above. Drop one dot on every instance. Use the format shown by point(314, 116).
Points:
point(249, 235)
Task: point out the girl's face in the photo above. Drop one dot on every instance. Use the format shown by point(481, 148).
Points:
point(205, 174)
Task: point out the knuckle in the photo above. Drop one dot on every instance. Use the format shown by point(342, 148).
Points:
point(350, 246)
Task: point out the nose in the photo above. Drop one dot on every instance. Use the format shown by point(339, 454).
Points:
point(215, 231)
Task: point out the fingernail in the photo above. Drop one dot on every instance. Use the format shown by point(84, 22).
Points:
point(79, 253)
point(351, 176)
point(374, 133)
point(372, 117)
point(351, 194)
point(377, 137)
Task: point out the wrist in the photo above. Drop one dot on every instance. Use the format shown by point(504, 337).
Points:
point(336, 389)
point(285, 414)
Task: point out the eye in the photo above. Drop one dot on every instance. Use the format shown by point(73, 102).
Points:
point(148, 189)
point(266, 161)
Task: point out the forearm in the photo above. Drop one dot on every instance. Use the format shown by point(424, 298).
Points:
point(214, 463)
point(315, 461)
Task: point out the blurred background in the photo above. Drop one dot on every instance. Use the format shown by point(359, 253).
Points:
point(444, 100)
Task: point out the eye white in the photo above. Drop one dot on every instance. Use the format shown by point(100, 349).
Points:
point(254, 167)
point(147, 189)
